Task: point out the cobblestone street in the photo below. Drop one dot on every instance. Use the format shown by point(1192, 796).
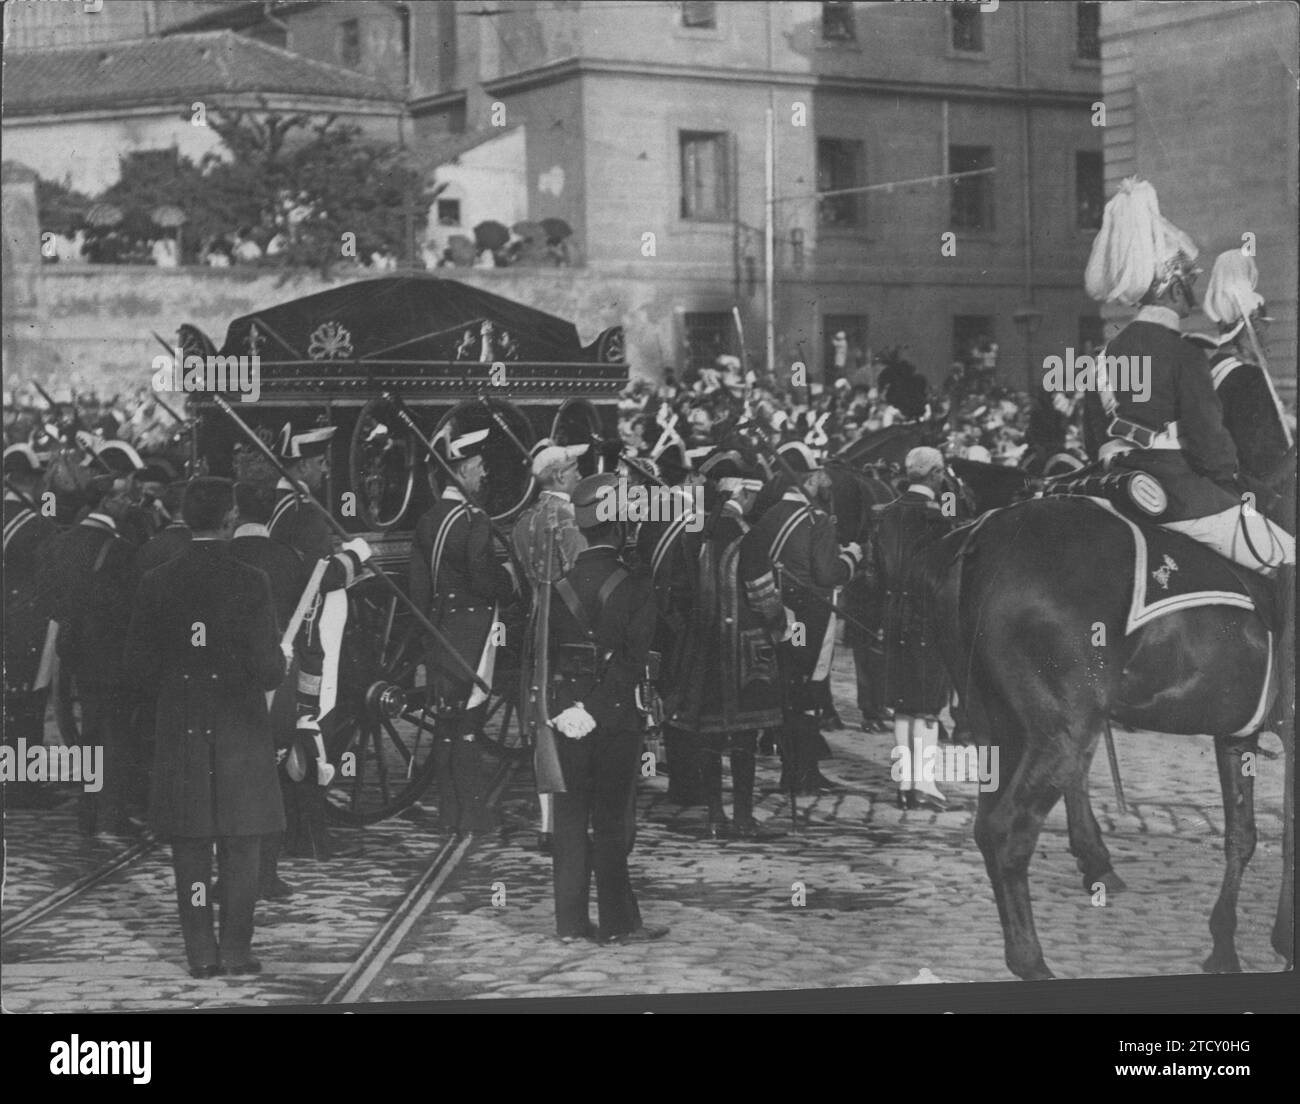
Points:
point(891, 897)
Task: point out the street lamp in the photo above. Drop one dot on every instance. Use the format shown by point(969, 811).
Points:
point(1027, 319)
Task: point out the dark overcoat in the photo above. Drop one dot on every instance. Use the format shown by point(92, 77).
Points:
point(915, 679)
point(27, 606)
point(456, 581)
point(214, 761)
point(732, 680)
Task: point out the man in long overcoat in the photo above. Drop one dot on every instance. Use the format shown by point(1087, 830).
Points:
point(203, 632)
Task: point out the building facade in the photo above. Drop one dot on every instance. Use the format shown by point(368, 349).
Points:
point(1201, 100)
point(644, 128)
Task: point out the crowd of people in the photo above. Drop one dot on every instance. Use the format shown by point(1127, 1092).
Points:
point(713, 621)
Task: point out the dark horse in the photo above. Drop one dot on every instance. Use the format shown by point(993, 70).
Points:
point(1020, 596)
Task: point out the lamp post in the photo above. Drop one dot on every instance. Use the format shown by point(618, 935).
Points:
point(1027, 319)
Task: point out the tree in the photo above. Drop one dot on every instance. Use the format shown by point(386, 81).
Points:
point(319, 190)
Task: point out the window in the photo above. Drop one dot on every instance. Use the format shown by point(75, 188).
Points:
point(1087, 31)
point(844, 339)
point(1092, 334)
point(839, 166)
point(700, 15)
point(967, 28)
point(1089, 189)
point(349, 43)
point(972, 335)
point(708, 336)
point(705, 186)
point(972, 196)
point(837, 23)
point(449, 212)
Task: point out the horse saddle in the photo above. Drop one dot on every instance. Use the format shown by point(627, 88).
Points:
point(1171, 572)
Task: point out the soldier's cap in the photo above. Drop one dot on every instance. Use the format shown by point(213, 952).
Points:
point(589, 494)
point(119, 458)
point(467, 445)
point(728, 469)
point(556, 456)
point(923, 461)
point(802, 459)
point(305, 445)
point(22, 459)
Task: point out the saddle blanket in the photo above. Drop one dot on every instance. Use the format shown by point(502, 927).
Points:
point(1173, 572)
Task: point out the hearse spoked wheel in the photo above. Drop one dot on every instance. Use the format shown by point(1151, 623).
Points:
point(381, 739)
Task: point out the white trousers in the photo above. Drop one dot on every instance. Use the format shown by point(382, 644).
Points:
point(1244, 535)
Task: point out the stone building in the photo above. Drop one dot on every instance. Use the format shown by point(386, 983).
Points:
point(1201, 100)
point(644, 127)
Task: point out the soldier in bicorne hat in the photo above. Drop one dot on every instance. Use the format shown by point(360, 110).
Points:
point(456, 579)
point(27, 606)
point(306, 458)
point(92, 571)
point(733, 686)
point(602, 628)
point(801, 543)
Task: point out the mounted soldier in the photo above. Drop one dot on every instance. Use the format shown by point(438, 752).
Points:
point(732, 680)
point(1173, 429)
point(916, 685)
point(1252, 413)
point(801, 543)
point(27, 606)
point(455, 578)
point(305, 457)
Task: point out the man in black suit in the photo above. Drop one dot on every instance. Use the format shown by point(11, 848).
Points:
point(602, 627)
point(203, 631)
point(252, 544)
point(171, 540)
point(91, 570)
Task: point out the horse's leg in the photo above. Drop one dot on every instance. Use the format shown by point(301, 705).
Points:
point(1238, 845)
point(1086, 843)
point(1007, 823)
point(1010, 833)
point(1284, 924)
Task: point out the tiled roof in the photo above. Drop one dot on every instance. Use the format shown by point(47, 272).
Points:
point(172, 69)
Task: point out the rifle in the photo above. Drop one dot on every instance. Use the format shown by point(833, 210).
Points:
point(402, 597)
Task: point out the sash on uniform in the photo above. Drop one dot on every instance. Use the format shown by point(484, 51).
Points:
point(827, 653)
point(333, 619)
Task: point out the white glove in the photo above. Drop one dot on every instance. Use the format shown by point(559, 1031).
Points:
point(575, 722)
point(358, 548)
point(514, 575)
point(789, 625)
point(854, 549)
point(287, 651)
